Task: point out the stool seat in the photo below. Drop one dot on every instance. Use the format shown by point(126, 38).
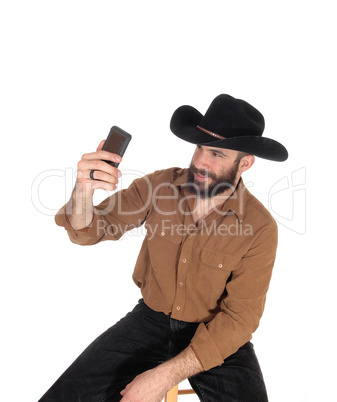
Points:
point(172, 395)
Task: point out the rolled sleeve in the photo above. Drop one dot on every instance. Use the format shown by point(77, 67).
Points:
point(242, 308)
point(124, 210)
point(205, 348)
point(89, 235)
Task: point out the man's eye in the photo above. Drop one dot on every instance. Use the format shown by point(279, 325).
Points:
point(215, 154)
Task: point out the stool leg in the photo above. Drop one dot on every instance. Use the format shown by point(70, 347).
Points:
point(172, 395)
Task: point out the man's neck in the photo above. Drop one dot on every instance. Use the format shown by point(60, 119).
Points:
point(204, 206)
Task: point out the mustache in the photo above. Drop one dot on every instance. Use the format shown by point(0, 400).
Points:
point(203, 172)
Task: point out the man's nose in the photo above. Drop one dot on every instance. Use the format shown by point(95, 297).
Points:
point(201, 161)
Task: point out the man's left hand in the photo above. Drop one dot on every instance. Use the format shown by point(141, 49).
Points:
point(146, 387)
point(152, 385)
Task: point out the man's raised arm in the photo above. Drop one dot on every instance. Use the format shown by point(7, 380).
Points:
point(79, 209)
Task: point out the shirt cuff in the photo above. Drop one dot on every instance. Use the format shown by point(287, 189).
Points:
point(92, 232)
point(205, 348)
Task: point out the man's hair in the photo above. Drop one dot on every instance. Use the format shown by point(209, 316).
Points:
point(240, 156)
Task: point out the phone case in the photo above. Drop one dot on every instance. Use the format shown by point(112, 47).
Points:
point(117, 142)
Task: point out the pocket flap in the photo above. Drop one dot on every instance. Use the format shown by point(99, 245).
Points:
point(218, 260)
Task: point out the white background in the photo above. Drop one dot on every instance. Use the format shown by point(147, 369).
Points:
point(70, 70)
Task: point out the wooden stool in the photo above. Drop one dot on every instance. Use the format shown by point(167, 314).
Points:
point(172, 395)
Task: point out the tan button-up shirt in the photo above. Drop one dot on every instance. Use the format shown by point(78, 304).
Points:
point(216, 273)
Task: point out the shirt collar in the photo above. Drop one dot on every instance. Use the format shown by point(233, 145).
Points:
point(235, 203)
point(181, 179)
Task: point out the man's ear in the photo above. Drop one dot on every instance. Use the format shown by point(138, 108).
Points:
point(246, 163)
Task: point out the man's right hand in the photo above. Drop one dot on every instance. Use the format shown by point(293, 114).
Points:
point(106, 176)
point(79, 209)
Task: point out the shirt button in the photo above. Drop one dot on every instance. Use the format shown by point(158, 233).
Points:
point(184, 260)
point(162, 233)
point(220, 265)
point(178, 308)
point(181, 284)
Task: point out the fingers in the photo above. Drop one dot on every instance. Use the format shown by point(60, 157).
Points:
point(104, 176)
point(100, 180)
point(102, 155)
point(101, 185)
point(87, 165)
point(101, 171)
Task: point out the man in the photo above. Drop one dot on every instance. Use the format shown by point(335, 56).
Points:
point(203, 269)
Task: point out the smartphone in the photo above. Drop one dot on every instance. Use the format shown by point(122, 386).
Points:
point(116, 142)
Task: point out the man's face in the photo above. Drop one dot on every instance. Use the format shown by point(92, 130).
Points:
point(212, 171)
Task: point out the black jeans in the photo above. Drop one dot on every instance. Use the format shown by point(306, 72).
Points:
point(141, 341)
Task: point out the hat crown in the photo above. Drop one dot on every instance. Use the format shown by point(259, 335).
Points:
point(229, 123)
point(231, 117)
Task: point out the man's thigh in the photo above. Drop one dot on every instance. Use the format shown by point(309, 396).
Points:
point(238, 379)
point(136, 343)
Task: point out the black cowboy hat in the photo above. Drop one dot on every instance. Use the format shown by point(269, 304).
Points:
point(228, 123)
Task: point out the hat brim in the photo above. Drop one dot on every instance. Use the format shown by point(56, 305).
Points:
point(184, 125)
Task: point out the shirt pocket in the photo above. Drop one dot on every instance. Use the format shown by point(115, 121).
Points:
point(163, 240)
point(164, 229)
point(214, 271)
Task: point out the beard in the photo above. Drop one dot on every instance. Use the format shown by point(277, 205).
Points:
point(218, 185)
